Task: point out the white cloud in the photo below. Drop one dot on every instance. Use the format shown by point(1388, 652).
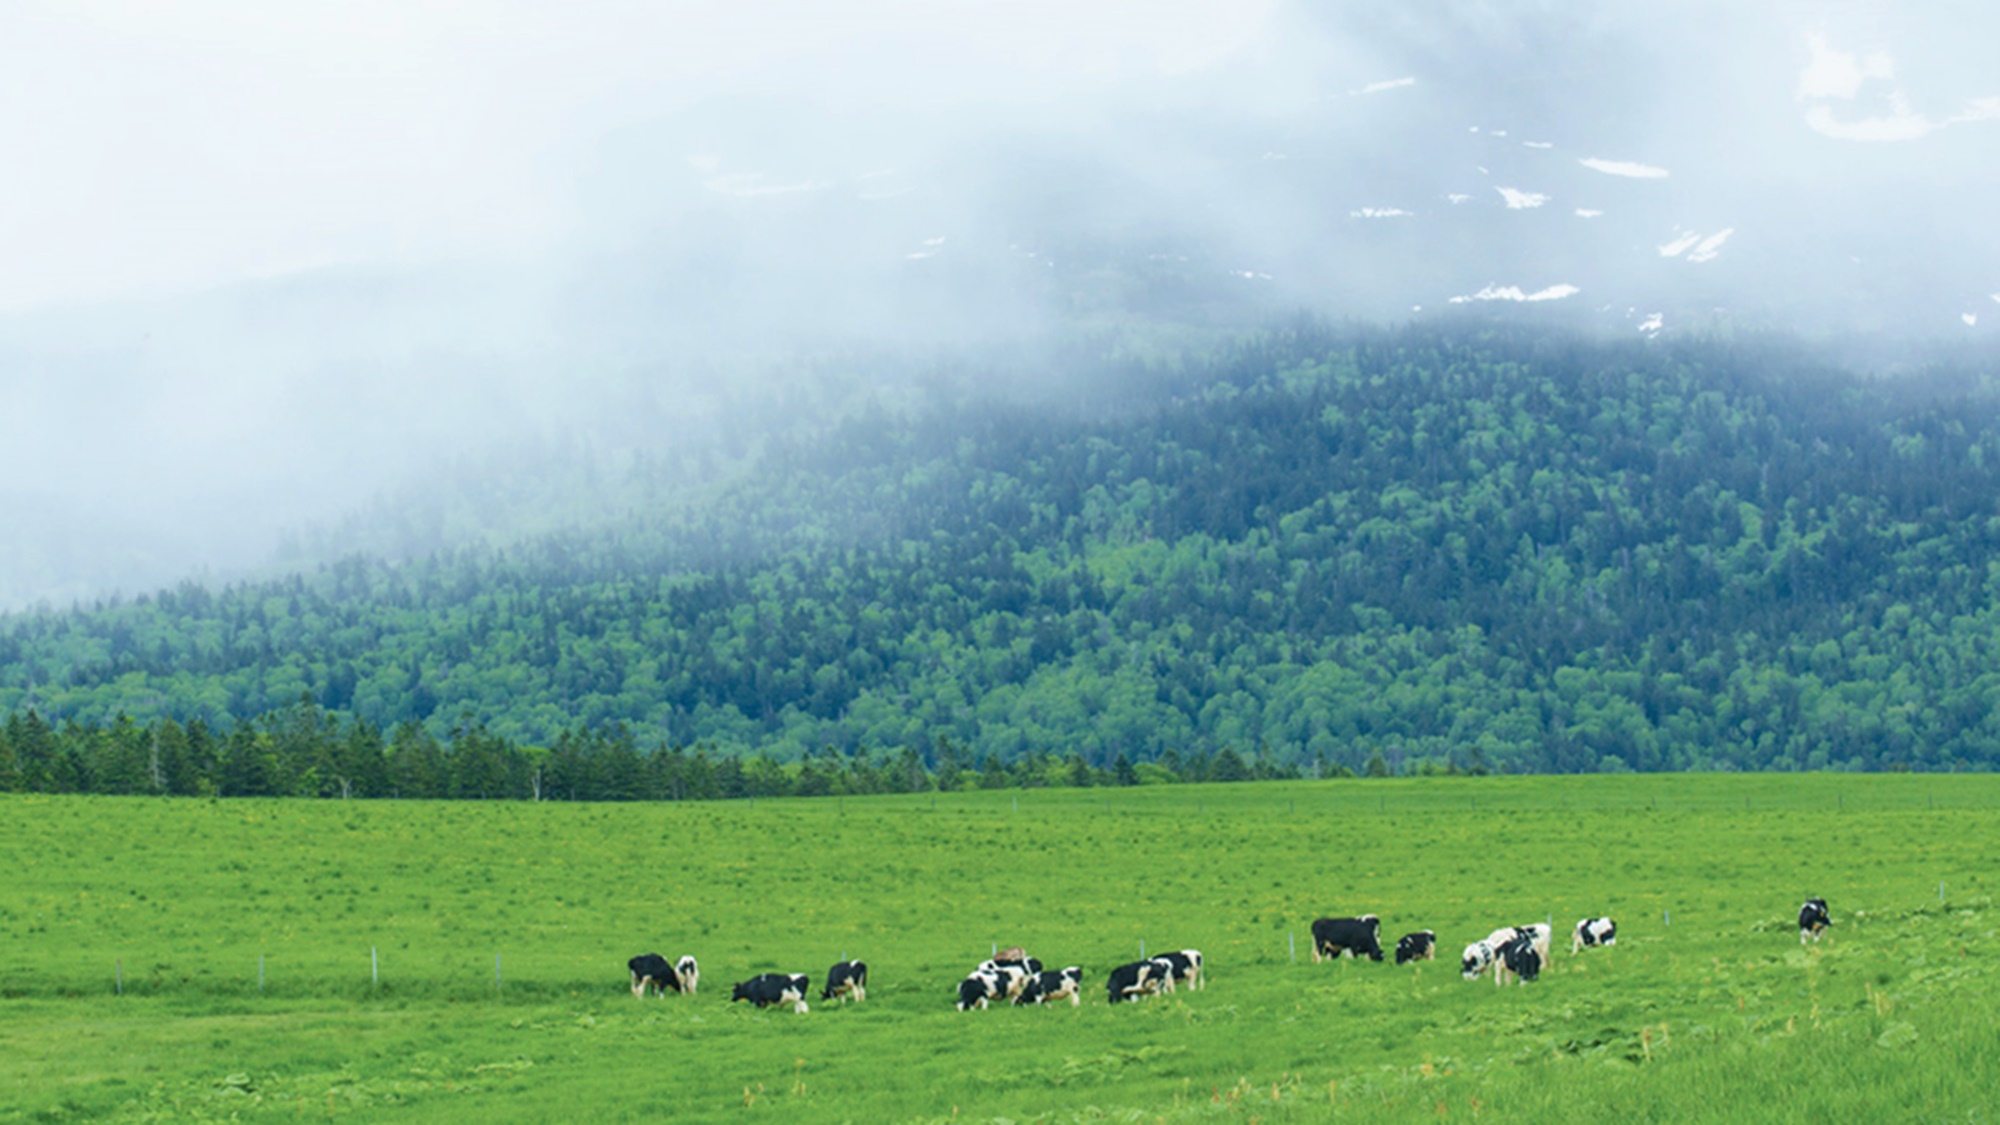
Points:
point(1380, 213)
point(1460, 197)
point(1588, 213)
point(1536, 144)
point(1970, 319)
point(1652, 324)
point(1836, 76)
point(1515, 293)
point(1839, 74)
point(1624, 168)
point(1901, 125)
point(1518, 200)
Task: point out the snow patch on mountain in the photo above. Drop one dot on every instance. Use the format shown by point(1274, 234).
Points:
point(1518, 200)
point(1629, 168)
point(1391, 84)
point(1515, 293)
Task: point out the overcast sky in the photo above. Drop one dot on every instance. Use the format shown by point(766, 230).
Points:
point(167, 147)
point(261, 260)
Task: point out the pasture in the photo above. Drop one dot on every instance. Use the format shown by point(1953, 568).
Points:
point(132, 932)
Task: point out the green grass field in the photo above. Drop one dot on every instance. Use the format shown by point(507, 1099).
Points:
point(1707, 1009)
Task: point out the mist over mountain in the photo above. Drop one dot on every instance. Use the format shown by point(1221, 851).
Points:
point(267, 275)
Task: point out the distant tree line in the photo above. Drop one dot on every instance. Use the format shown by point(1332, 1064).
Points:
point(305, 751)
point(1306, 551)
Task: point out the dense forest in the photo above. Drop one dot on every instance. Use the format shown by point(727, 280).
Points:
point(1309, 551)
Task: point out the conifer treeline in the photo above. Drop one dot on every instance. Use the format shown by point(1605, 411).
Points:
point(305, 751)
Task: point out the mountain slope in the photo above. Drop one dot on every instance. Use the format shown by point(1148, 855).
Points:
point(1463, 544)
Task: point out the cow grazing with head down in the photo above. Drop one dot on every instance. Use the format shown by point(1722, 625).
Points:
point(979, 988)
point(1593, 931)
point(1353, 937)
point(767, 989)
point(1478, 958)
point(1485, 954)
point(1183, 967)
point(846, 979)
point(689, 971)
point(1054, 984)
point(1419, 946)
point(1139, 978)
point(651, 971)
point(1518, 957)
point(1813, 919)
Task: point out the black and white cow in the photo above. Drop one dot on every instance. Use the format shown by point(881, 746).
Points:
point(1053, 984)
point(1183, 966)
point(1518, 957)
point(846, 979)
point(1419, 946)
point(1484, 954)
point(1540, 934)
point(1593, 931)
point(767, 989)
point(1139, 978)
point(1013, 975)
point(1478, 958)
point(1813, 918)
point(651, 971)
point(978, 988)
point(1353, 937)
point(689, 971)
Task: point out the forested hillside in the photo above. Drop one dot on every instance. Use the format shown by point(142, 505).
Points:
point(1484, 548)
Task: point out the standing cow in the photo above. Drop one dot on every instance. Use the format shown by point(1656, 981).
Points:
point(1054, 984)
point(651, 972)
point(1183, 967)
point(767, 989)
point(846, 979)
point(1419, 946)
point(1813, 919)
point(1335, 937)
point(1593, 931)
point(1139, 978)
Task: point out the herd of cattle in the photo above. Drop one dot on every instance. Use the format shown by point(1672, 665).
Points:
point(1510, 951)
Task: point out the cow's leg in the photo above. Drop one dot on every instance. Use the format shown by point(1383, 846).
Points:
point(638, 985)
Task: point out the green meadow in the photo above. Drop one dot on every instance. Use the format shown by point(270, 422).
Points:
point(465, 961)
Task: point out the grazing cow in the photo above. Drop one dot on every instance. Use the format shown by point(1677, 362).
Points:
point(1336, 937)
point(975, 990)
point(1420, 946)
point(1540, 934)
point(1012, 975)
point(689, 971)
point(774, 988)
point(1593, 931)
point(1477, 959)
point(1183, 965)
point(1813, 918)
point(1140, 978)
point(650, 970)
point(1053, 984)
point(846, 979)
point(1519, 957)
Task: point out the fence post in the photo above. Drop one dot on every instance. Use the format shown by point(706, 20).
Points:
point(496, 972)
point(374, 969)
point(1292, 945)
point(1666, 918)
